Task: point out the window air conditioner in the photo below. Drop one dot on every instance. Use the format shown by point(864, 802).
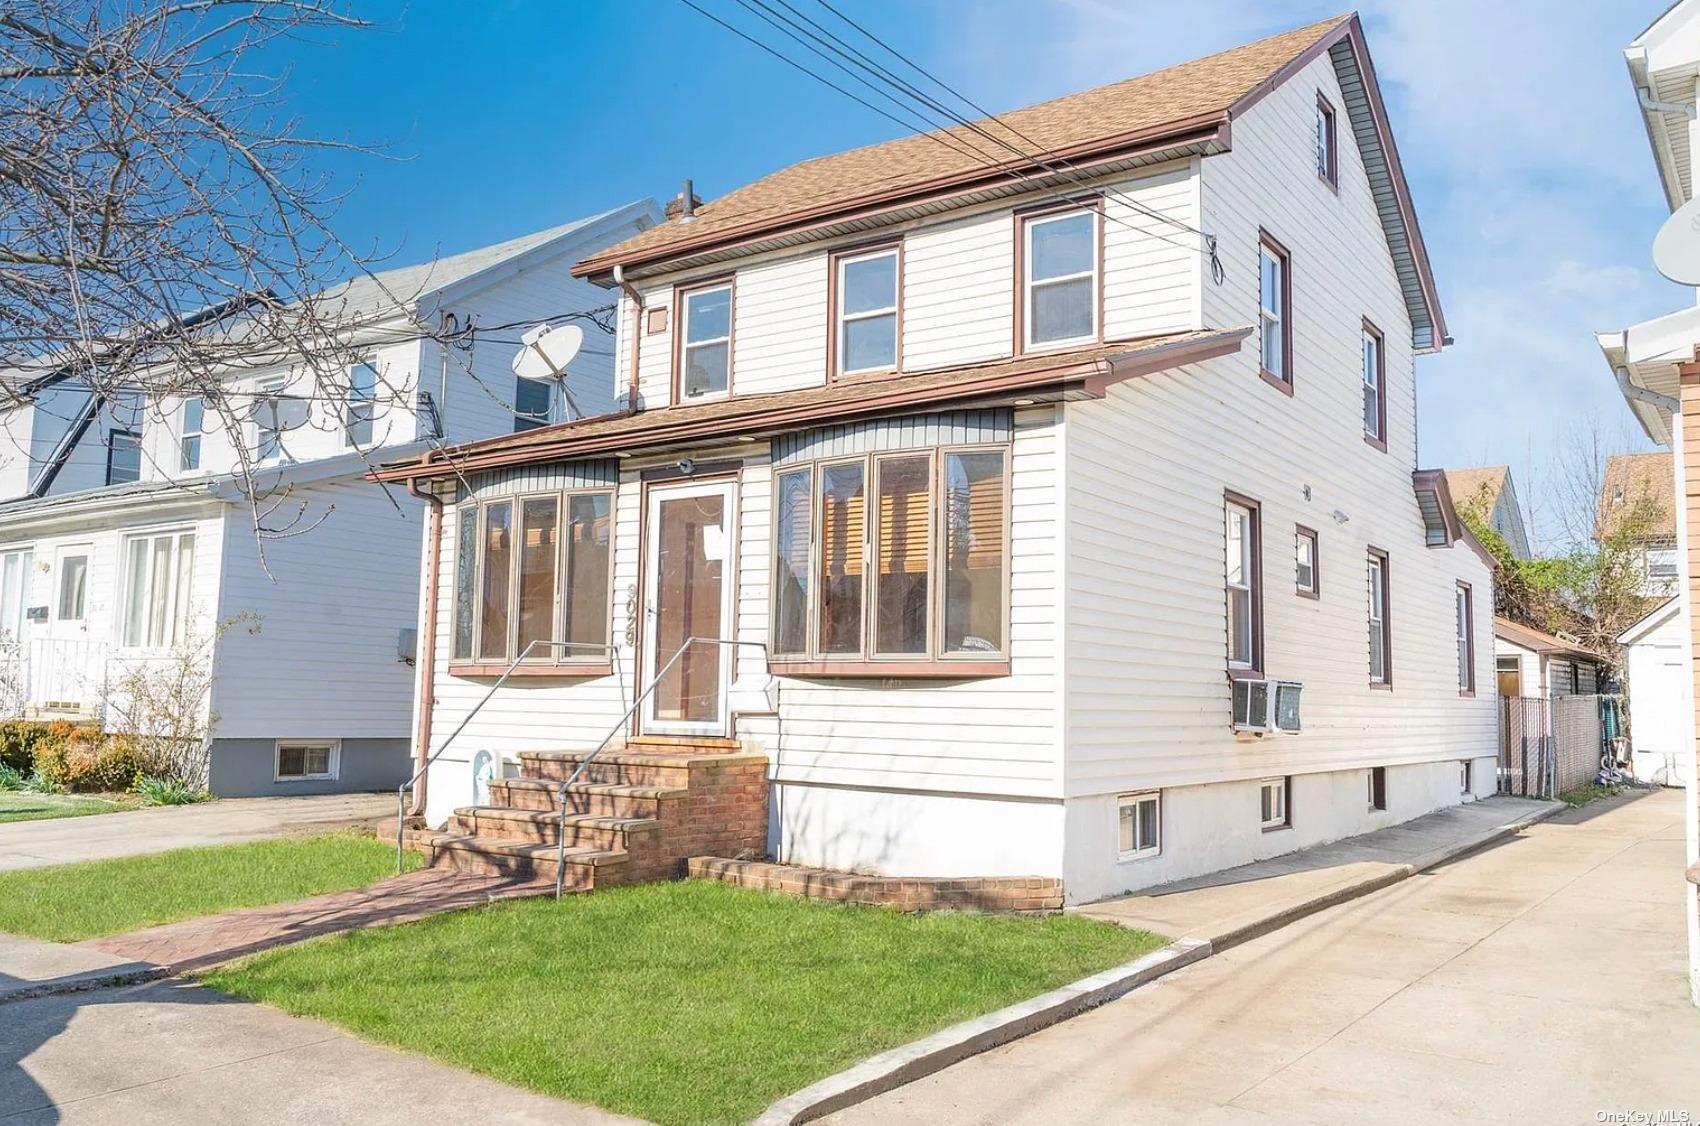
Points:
point(1262, 705)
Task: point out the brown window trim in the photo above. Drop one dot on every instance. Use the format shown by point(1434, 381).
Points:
point(1377, 441)
point(1088, 202)
point(1468, 692)
point(833, 372)
point(1386, 683)
point(1267, 241)
point(1332, 176)
point(680, 292)
point(1300, 532)
point(564, 670)
point(941, 669)
point(1236, 672)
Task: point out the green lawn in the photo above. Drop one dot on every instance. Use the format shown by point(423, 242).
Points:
point(677, 1002)
point(39, 807)
point(70, 902)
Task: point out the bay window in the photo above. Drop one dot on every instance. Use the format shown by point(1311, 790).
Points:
point(705, 349)
point(1060, 277)
point(533, 571)
point(158, 572)
point(865, 311)
point(896, 560)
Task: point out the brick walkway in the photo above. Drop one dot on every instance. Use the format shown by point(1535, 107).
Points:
point(196, 944)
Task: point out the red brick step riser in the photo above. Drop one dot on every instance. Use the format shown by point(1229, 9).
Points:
point(547, 831)
point(596, 805)
point(579, 877)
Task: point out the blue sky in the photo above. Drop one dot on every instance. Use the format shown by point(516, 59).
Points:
point(1515, 119)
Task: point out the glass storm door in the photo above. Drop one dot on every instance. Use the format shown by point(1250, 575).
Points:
point(688, 580)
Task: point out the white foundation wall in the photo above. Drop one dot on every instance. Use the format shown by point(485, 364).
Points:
point(1212, 827)
point(904, 833)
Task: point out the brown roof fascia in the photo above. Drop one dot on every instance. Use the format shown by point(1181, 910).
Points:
point(1120, 369)
point(1192, 130)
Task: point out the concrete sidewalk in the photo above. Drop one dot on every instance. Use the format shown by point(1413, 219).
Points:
point(36, 844)
point(30, 967)
point(1229, 907)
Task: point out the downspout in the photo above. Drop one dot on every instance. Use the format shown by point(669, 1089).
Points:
point(1642, 394)
point(428, 641)
point(631, 292)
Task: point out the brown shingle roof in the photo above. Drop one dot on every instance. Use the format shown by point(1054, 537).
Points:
point(1082, 371)
point(1630, 480)
point(1478, 488)
point(1194, 93)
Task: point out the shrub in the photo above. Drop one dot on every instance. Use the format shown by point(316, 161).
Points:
point(167, 791)
point(20, 739)
point(11, 778)
point(88, 764)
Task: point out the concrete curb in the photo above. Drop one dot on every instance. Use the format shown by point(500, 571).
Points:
point(878, 1074)
point(128, 973)
point(899, 1066)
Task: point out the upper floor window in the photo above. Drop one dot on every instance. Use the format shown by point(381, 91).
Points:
point(1060, 278)
point(1380, 626)
point(1307, 564)
point(1466, 625)
point(362, 399)
point(123, 457)
point(157, 573)
point(1327, 146)
point(1275, 326)
point(705, 335)
point(1244, 575)
point(866, 311)
point(899, 557)
point(268, 418)
point(532, 403)
point(532, 578)
point(1375, 379)
point(194, 421)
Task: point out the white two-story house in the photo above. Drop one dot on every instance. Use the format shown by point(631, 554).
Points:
point(1048, 514)
point(129, 534)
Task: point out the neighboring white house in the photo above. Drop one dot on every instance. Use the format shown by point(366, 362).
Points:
point(1490, 492)
point(1008, 487)
point(1532, 663)
point(126, 536)
point(1653, 660)
point(1657, 363)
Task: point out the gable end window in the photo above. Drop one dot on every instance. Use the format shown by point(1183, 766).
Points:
point(893, 563)
point(704, 361)
point(1060, 254)
point(866, 311)
point(1327, 143)
point(1244, 585)
point(1380, 624)
point(1375, 386)
point(1307, 562)
point(1465, 613)
point(123, 457)
point(362, 400)
point(1139, 825)
point(1275, 322)
point(532, 580)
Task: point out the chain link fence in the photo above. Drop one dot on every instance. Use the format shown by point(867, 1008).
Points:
point(1548, 745)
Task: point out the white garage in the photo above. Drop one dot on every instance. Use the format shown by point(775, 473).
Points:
point(1653, 658)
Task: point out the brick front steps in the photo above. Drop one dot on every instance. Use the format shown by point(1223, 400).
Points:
point(1027, 895)
point(635, 814)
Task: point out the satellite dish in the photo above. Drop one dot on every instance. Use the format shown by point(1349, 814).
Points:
point(1676, 248)
point(546, 351)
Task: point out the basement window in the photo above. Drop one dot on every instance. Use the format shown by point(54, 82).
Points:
point(1274, 811)
point(306, 760)
point(1378, 788)
point(1140, 825)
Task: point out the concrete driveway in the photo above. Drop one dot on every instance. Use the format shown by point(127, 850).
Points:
point(35, 844)
point(1542, 980)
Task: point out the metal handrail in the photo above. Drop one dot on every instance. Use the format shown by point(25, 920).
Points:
point(584, 763)
point(401, 790)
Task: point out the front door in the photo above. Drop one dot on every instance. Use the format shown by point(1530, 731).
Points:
point(688, 585)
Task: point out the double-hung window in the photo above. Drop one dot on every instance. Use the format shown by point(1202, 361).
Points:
point(1375, 379)
point(1380, 635)
point(158, 569)
point(865, 309)
point(1327, 151)
point(15, 568)
point(1275, 323)
point(532, 404)
point(1273, 810)
point(1139, 824)
point(1243, 579)
point(893, 559)
point(1466, 627)
point(1307, 562)
point(192, 425)
point(705, 349)
point(268, 418)
point(362, 401)
point(532, 578)
point(123, 457)
point(1060, 277)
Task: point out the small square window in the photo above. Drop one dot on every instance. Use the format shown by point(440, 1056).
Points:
point(1378, 788)
point(1140, 822)
point(1273, 809)
point(306, 761)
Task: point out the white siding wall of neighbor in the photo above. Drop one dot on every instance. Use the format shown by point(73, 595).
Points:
point(1148, 699)
point(321, 616)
